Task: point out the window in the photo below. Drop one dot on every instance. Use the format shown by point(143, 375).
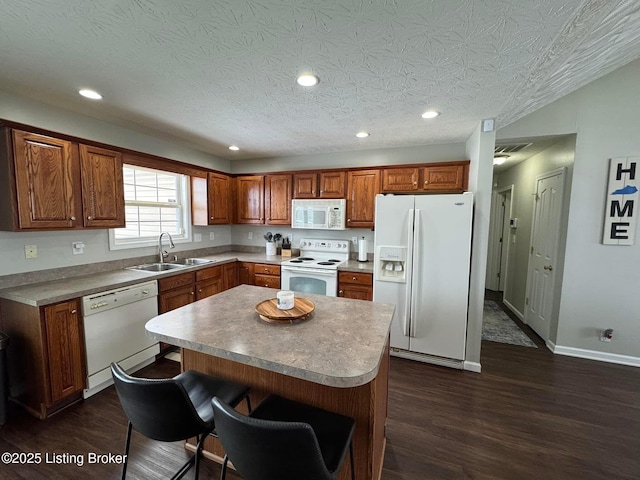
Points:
point(155, 202)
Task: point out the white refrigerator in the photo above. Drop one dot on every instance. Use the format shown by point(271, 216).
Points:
point(422, 259)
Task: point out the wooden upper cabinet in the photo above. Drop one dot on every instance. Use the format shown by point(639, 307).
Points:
point(65, 345)
point(250, 199)
point(46, 172)
point(444, 178)
point(305, 185)
point(219, 199)
point(332, 184)
point(400, 179)
point(277, 199)
point(362, 188)
point(102, 187)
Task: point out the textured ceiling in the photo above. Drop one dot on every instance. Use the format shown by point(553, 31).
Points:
point(214, 73)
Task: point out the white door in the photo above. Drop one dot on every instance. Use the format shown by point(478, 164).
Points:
point(544, 251)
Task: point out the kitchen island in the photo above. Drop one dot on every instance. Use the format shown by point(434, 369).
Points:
point(338, 359)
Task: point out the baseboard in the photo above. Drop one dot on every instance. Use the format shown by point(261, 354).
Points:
point(513, 309)
point(596, 355)
point(472, 366)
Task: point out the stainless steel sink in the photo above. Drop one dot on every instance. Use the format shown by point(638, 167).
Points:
point(191, 261)
point(157, 267)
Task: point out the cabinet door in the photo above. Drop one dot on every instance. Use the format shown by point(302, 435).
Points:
point(45, 170)
point(219, 204)
point(102, 187)
point(229, 275)
point(245, 273)
point(305, 185)
point(250, 199)
point(363, 186)
point(208, 287)
point(400, 179)
point(332, 184)
point(277, 199)
point(65, 345)
point(177, 298)
point(445, 178)
point(358, 292)
point(270, 281)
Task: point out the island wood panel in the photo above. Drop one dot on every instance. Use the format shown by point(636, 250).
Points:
point(367, 404)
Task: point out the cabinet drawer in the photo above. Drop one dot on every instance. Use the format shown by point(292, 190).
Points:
point(267, 281)
point(207, 273)
point(175, 281)
point(266, 269)
point(356, 277)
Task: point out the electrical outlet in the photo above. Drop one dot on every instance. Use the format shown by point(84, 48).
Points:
point(606, 335)
point(77, 248)
point(31, 251)
point(250, 235)
point(212, 236)
point(354, 240)
point(197, 237)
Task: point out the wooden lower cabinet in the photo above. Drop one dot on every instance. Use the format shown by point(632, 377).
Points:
point(358, 285)
point(46, 356)
point(245, 273)
point(230, 275)
point(266, 275)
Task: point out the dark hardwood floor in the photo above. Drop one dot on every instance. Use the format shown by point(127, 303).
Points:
point(529, 415)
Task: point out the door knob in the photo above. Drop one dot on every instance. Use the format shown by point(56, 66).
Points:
point(548, 267)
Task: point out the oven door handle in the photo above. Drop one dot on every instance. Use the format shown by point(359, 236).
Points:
point(325, 273)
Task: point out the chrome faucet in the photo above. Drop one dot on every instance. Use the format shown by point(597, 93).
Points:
point(162, 254)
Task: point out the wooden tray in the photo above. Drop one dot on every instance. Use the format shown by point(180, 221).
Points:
point(269, 312)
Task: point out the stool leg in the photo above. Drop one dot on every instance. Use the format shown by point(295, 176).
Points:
point(126, 451)
point(353, 467)
point(248, 403)
point(223, 471)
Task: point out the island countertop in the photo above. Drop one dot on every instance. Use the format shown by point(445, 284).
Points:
point(340, 345)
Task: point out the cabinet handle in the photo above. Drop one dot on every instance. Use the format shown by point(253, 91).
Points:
point(192, 293)
point(73, 311)
point(354, 278)
point(348, 219)
point(415, 183)
point(211, 218)
point(200, 291)
point(89, 217)
point(73, 219)
point(341, 293)
point(426, 182)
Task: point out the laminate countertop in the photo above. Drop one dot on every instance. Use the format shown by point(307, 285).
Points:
point(340, 345)
point(47, 293)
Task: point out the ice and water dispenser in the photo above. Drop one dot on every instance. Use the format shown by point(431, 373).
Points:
point(391, 264)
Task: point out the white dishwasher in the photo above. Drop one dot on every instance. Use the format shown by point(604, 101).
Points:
point(114, 332)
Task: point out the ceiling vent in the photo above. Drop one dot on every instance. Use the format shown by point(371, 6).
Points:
point(513, 148)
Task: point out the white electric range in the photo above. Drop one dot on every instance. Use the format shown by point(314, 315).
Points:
point(316, 269)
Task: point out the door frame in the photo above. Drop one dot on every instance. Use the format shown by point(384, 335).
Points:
point(496, 252)
point(562, 171)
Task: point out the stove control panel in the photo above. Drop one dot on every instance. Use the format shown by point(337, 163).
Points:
point(317, 245)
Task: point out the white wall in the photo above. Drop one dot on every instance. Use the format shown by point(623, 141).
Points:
point(601, 283)
point(361, 158)
point(479, 150)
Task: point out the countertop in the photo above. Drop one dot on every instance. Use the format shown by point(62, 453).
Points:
point(340, 345)
point(46, 293)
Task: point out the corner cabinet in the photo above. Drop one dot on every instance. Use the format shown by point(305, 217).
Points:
point(46, 358)
point(51, 184)
point(362, 188)
point(211, 199)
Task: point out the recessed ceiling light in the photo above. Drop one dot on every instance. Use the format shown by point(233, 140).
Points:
point(362, 134)
point(430, 114)
point(307, 80)
point(92, 94)
point(500, 159)
point(235, 148)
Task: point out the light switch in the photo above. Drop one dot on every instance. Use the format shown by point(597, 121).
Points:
point(77, 248)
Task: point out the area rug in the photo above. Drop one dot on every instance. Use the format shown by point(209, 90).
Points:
point(498, 327)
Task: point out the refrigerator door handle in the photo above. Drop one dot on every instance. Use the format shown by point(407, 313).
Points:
point(415, 280)
point(406, 326)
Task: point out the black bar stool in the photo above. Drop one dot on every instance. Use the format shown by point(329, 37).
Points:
point(173, 409)
point(284, 440)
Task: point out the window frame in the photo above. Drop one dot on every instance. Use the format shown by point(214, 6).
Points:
point(184, 192)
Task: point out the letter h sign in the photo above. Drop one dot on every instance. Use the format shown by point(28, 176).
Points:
point(621, 210)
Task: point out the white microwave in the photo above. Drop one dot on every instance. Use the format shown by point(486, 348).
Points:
point(323, 214)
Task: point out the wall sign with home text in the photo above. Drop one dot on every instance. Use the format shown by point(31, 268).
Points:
point(621, 210)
